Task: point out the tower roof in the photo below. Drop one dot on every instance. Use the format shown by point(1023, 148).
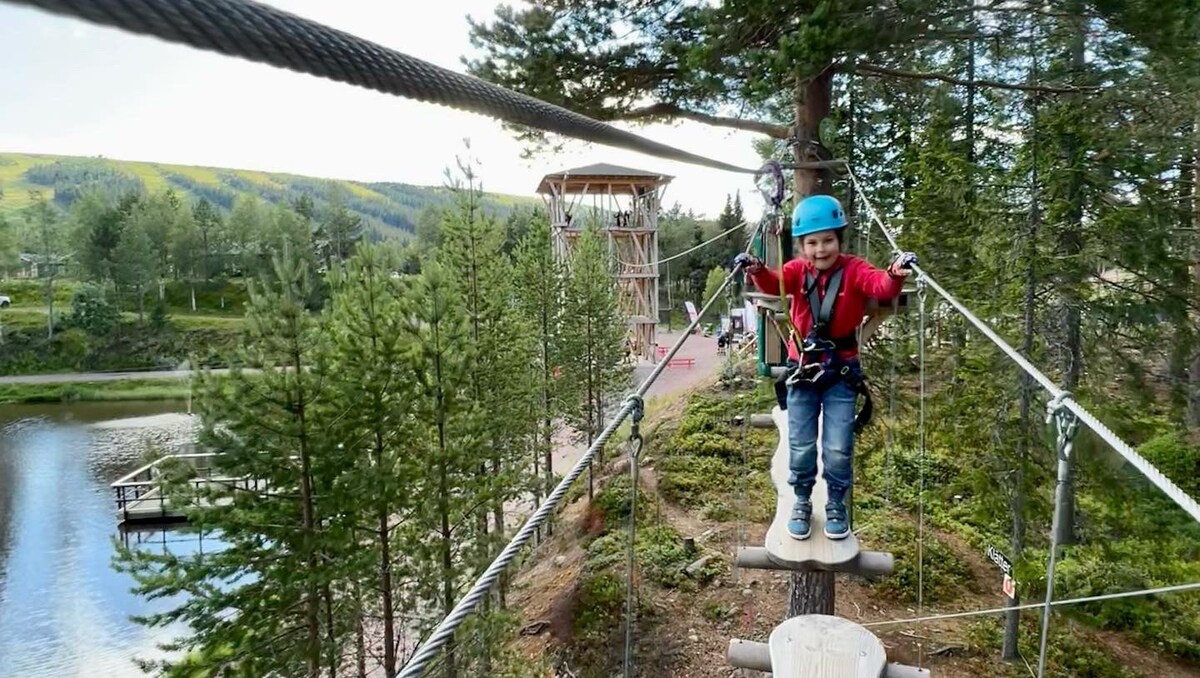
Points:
point(599, 177)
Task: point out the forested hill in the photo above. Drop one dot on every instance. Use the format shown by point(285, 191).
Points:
point(387, 208)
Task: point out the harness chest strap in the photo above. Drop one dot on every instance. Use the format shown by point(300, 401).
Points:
point(822, 308)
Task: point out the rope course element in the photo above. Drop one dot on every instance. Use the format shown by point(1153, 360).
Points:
point(921, 468)
point(1066, 425)
point(1139, 462)
point(688, 251)
point(264, 34)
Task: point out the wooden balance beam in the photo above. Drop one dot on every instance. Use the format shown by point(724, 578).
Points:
point(818, 552)
point(819, 646)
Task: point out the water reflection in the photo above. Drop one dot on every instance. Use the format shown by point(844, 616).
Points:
point(63, 610)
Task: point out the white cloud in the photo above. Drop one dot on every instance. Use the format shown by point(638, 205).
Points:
point(80, 89)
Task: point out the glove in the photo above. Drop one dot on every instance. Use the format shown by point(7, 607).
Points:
point(902, 265)
point(747, 261)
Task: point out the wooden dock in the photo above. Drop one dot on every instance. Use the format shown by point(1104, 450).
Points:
point(140, 497)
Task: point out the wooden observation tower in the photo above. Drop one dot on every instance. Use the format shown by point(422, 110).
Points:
point(624, 204)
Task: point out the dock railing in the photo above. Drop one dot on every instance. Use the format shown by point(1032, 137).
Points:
point(140, 497)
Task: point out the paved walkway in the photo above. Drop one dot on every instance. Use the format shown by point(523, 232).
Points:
point(672, 382)
point(77, 377)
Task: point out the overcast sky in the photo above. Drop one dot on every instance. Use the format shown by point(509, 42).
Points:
point(68, 87)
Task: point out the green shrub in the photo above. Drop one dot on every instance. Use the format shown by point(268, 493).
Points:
point(945, 575)
point(600, 607)
point(614, 498)
point(690, 480)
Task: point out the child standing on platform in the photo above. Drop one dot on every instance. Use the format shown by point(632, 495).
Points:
point(829, 293)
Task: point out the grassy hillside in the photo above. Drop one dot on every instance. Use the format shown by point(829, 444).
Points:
point(384, 207)
point(703, 479)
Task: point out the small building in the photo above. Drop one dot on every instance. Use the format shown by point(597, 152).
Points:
point(30, 266)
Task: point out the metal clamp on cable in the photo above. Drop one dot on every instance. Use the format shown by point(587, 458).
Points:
point(1066, 424)
point(637, 413)
point(639, 407)
point(1056, 404)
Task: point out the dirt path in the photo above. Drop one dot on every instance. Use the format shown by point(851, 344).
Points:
point(673, 382)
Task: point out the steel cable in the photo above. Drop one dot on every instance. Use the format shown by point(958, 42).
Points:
point(264, 34)
point(1123, 448)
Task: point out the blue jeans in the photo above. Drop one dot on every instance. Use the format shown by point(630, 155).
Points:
point(804, 404)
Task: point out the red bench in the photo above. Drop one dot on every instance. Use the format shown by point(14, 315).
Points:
point(677, 362)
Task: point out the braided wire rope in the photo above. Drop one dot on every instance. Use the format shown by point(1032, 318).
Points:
point(264, 34)
point(1161, 481)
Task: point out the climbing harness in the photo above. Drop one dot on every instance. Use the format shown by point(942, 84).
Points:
point(820, 364)
point(1066, 425)
point(635, 449)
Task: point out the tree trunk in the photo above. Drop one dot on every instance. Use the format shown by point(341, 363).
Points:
point(308, 520)
point(447, 553)
point(141, 306)
point(811, 592)
point(385, 568)
point(1012, 620)
point(590, 411)
point(360, 640)
point(1070, 246)
point(447, 564)
point(1193, 383)
point(49, 303)
point(331, 649)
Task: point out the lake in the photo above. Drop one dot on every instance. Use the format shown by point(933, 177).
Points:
point(64, 611)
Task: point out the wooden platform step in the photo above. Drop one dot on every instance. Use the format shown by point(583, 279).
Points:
point(818, 551)
point(819, 646)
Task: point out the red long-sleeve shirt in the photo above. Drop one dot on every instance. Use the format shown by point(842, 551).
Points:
point(860, 282)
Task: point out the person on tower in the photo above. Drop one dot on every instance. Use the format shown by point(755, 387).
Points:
point(830, 292)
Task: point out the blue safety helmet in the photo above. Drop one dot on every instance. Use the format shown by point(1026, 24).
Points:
point(817, 213)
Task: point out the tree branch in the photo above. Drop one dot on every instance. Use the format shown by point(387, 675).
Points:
point(881, 71)
point(665, 110)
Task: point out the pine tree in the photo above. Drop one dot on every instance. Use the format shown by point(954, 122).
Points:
point(538, 277)
point(450, 433)
point(284, 547)
point(47, 237)
point(375, 391)
point(594, 335)
point(501, 341)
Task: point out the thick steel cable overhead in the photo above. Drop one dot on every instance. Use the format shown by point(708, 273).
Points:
point(264, 34)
